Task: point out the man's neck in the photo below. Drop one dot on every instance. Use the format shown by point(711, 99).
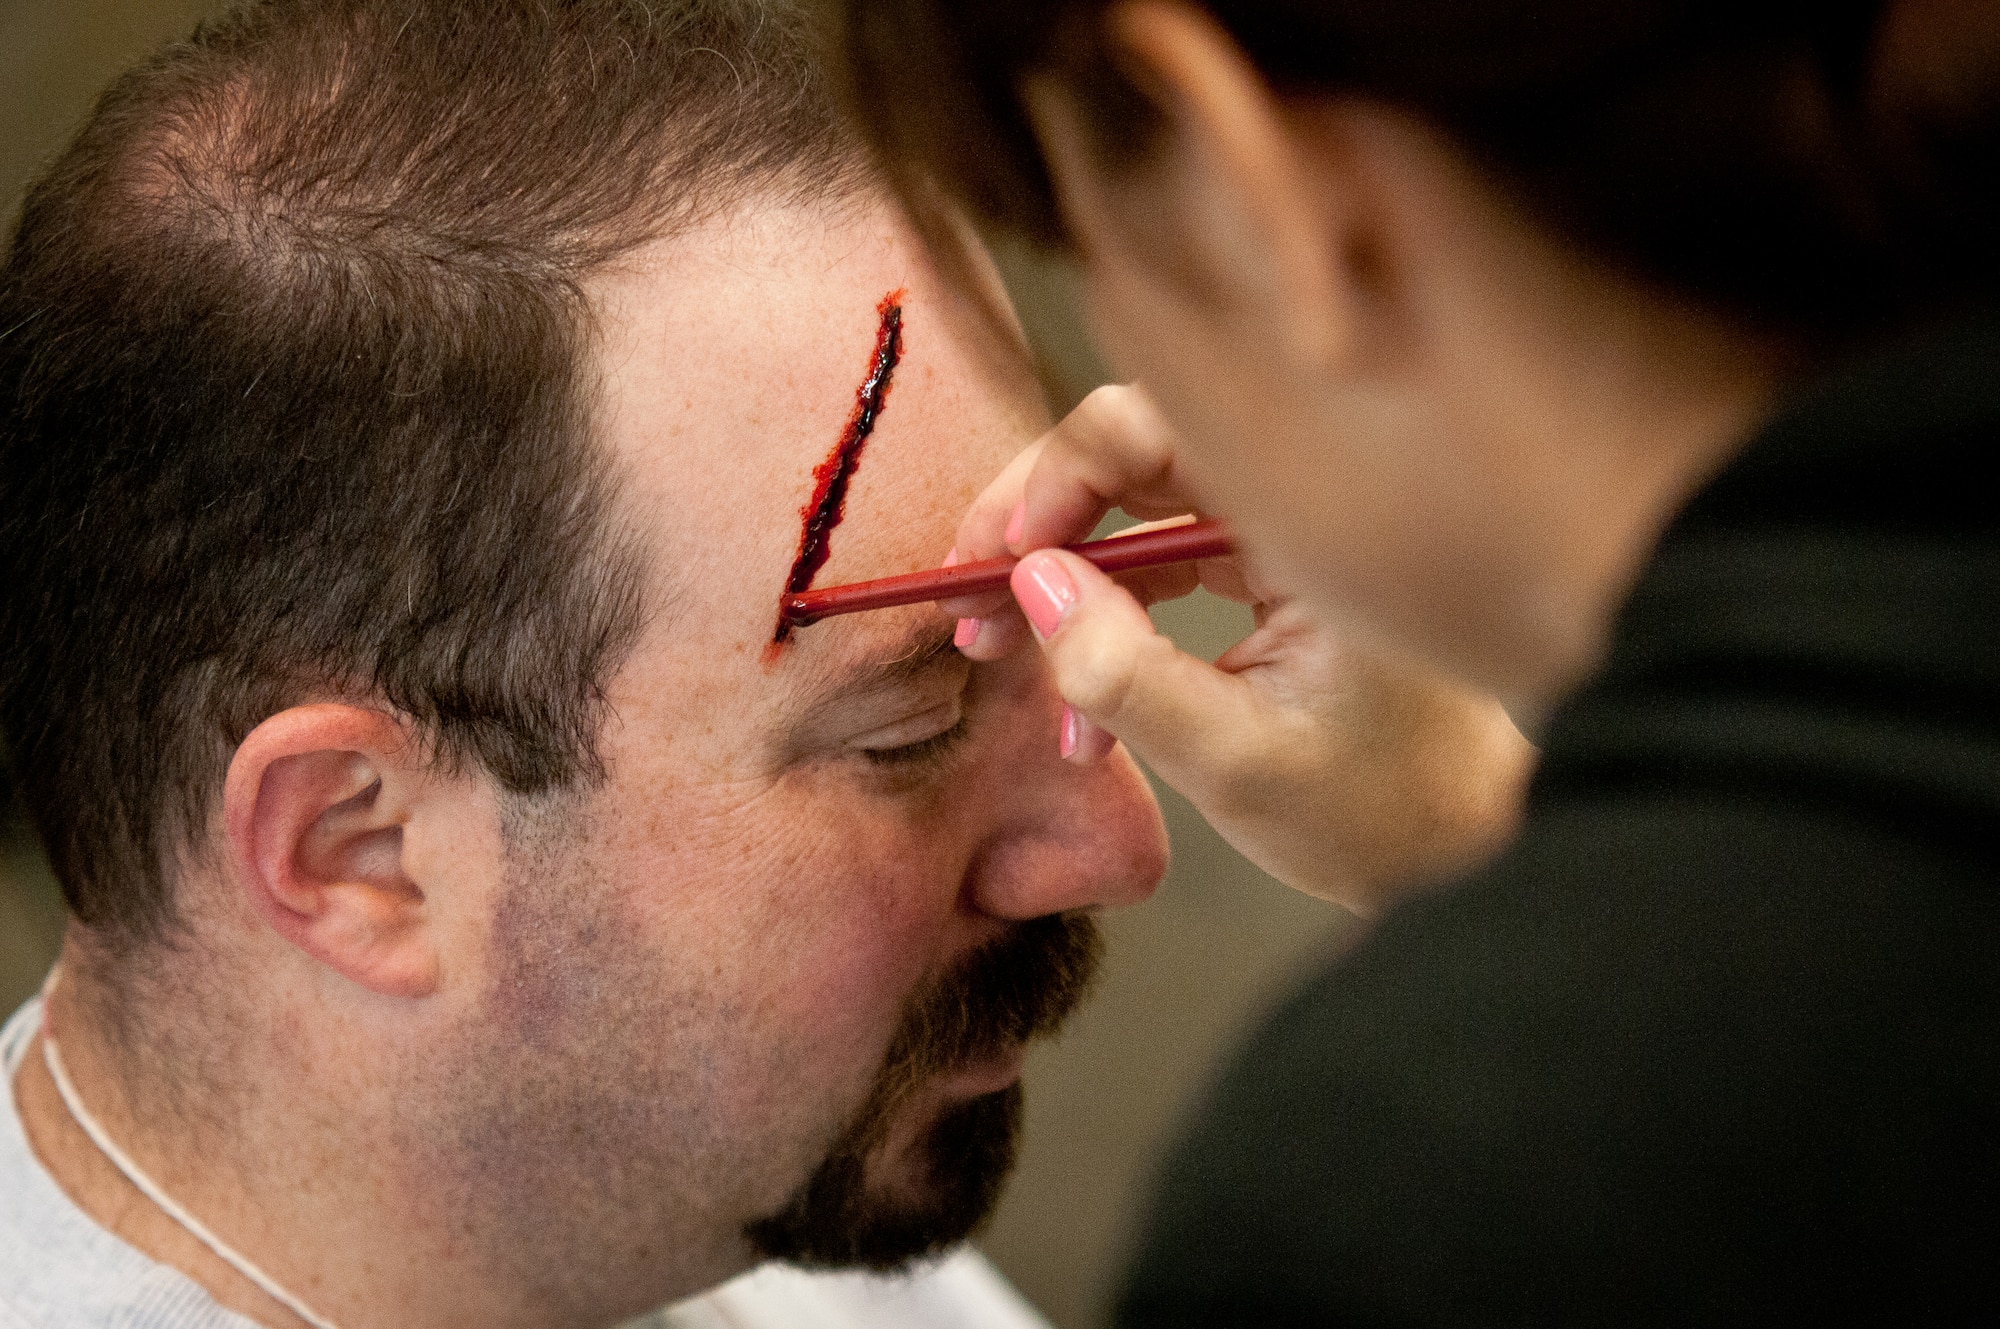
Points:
point(313, 1233)
point(113, 1202)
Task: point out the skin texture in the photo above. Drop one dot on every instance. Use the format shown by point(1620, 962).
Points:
point(1439, 428)
point(499, 1062)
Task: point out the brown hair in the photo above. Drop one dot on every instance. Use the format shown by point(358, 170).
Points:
point(1824, 165)
point(293, 399)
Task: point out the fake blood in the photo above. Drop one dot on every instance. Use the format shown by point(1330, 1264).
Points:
point(832, 477)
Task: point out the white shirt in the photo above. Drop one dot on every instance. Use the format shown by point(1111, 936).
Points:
point(60, 1270)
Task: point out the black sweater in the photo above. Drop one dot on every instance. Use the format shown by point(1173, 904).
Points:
point(1718, 1040)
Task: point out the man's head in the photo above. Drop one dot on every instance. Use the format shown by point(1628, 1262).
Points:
point(407, 411)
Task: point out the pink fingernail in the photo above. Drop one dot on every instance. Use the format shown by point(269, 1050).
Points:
point(968, 632)
point(1018, 522)
point(1092, 743)
point(1072, 733)
point(1046, 592)
point(951, 559)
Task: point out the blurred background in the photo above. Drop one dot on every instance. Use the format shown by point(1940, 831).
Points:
point(1186, 974)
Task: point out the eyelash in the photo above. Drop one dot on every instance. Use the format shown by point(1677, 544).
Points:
point(933, 749)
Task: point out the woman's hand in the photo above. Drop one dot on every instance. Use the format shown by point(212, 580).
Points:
point(1340, 770)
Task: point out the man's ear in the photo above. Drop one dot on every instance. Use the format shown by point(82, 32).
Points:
point(1225, 207)
point(313, 809)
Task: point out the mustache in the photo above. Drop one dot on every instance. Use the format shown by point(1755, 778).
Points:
point(1017, 988)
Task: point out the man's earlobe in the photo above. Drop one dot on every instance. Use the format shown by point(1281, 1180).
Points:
point(314, 808)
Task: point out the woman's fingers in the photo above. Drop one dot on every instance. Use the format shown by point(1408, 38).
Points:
point(1082, 740)
point(1114, 450)
point(982, 532)
point(1184, 716)
point(988, 632)
point(1350, 775)
point(993, 637)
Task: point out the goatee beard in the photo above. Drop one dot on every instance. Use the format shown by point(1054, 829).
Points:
point(1015, 989)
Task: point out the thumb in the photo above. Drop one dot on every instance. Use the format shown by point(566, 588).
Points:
point(1191, 722)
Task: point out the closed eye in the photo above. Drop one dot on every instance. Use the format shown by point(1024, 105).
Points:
point(929, 750)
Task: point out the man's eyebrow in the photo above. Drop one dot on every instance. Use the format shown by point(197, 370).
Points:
point(923, 651)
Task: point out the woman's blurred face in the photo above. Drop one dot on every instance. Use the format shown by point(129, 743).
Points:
point(1429, 421)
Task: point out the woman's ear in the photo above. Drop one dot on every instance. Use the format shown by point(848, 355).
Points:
point(314, 808)
point(1224, 211)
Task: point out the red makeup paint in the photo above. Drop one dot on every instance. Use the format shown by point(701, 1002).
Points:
point(832, 476)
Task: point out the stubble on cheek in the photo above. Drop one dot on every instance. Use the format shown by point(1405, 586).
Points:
point(572, 1125)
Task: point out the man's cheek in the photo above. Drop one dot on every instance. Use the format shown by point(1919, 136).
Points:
point(870, 934)
point(812, 907)
point(827, 1013)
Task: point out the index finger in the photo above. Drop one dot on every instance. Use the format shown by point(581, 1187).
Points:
point(1114, 450)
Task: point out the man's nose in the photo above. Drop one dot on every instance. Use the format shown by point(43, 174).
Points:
point(1070, 837)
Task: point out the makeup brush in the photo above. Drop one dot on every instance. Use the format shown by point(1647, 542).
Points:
point(1118, 553)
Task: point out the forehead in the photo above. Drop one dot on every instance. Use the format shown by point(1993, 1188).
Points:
point(729, 362)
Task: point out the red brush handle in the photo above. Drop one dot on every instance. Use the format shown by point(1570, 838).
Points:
point(1120, 553)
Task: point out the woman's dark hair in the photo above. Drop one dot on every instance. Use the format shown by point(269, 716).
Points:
point(1825, 166)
